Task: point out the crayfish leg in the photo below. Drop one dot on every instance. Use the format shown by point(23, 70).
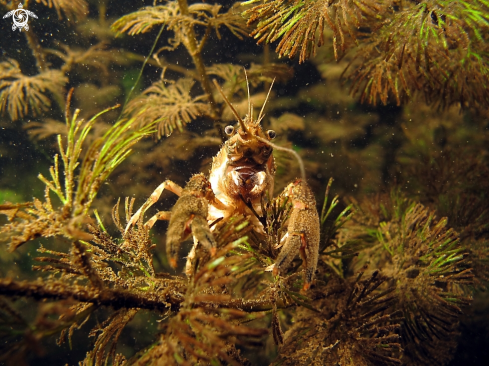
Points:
point(161, 215)
point(202, 233)
point(155, 196)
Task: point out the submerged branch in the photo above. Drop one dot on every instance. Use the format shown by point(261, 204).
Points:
point(37, 50)
point(117, 298)
point(252, 306)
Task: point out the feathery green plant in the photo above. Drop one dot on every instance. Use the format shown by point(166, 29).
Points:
point(21, 95)
point(84, 175)
point(427, 262)
point(300, 23)
point(437, 48)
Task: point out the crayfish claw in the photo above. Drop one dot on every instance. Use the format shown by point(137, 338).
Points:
point(303, 232)
point(202, 233)
point(188, 216)
point(287, 254)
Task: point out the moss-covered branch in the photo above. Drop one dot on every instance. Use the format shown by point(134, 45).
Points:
point(116, 298)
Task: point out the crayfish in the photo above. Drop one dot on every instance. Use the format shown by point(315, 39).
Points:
point(241, 178)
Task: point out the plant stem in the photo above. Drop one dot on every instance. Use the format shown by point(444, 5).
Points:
point(37, 50)
point(193, 49)
point(117, 298)
point(120, 298)
point(102, 11)
point(161, 63)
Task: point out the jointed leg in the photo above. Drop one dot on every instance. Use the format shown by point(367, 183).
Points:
point(155, 196)
point(161, 215)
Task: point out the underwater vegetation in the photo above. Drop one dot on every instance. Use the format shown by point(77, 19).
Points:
point(401, 48)
point(102, 101)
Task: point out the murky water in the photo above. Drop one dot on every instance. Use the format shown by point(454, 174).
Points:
point(410, 171)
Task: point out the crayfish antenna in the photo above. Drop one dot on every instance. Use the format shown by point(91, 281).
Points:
point(290, 151)
point(260, 116)
point(242, 124)
point(250, 108)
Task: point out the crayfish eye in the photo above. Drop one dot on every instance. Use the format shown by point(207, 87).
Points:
point(229, 130)
point(271, 134)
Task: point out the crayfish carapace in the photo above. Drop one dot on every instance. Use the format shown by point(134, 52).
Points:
point(240, 180)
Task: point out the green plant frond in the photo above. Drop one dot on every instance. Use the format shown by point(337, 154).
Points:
point(113, 147)
point(169, 106)
point(475, 13)
point(82, 179)
point(300, 24)
point(202, 328)
point(425, 258)
point(331, 227)
point(426, 47)
point(21, 95)
point(232, 19)
point(417, 48)
point(296, 21)
point(437, 248)
point(145, 19)
point(372, 338)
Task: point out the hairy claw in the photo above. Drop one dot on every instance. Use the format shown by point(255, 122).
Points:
point(189, 216)
point(303, 232)
point(203, 234)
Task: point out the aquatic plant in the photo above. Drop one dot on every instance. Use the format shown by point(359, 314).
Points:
point(97, 270)
point(172, 105)
point(21, 95)
point(345, 318)
point(79, 189)
point(395, 274)
point(355, 329)
point(429, 265)
point(71, 9)
point(434, 48)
